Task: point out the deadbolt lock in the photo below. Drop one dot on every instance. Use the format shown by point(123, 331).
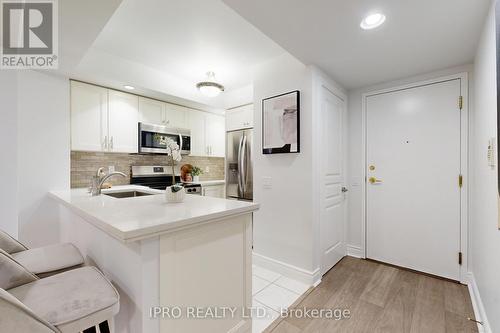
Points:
point(372, 167)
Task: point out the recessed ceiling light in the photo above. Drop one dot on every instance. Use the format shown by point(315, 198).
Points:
point(372, 21)
point(128, 87)
point(209, 87)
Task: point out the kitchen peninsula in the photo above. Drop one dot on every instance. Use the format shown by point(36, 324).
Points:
point(191, 254)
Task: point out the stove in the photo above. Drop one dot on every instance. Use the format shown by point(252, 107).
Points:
point(159, 178)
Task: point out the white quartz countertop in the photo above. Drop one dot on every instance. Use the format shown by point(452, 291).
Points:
point(132, 219)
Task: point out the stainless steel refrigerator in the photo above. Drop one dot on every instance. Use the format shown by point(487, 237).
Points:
point(239, 170)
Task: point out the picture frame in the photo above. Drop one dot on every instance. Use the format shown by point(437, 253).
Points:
point(281, 123)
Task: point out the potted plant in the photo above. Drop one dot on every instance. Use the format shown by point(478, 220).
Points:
point(196, 172)
point(176, 192)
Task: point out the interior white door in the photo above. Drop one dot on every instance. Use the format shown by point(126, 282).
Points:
point(123, 122)
point(413, 152)
point(332, 218)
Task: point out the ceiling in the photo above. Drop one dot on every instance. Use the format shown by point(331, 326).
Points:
point(419, 36)
point(177, 41)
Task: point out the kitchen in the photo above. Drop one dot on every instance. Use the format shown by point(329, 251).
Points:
point(121, 148)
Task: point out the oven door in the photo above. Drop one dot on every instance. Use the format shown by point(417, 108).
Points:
point(153, 138)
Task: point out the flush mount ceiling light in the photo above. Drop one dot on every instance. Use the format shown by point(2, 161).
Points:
point(209, 87)
point(128, 87)
point(372, 21)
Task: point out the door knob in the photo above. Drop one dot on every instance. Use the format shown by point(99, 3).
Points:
point(374, 180)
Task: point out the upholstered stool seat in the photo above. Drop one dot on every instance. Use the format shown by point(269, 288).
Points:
point(49, 260)
point(71, 301)
point(42, 261)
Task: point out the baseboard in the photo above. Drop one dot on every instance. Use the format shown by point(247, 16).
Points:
point(477, 304)
point(355, 251)
point(310, 278)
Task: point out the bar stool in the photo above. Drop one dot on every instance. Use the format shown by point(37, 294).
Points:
point(73, 301)
point(43, 261)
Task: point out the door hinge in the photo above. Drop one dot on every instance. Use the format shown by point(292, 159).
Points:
point(460, 102)
point(460, 181)
point(460, 258)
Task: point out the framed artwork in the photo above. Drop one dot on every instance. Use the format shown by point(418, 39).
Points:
point(497, 24)
point(281, 123)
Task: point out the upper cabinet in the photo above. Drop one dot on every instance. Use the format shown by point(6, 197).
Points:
point(208, 137)
point(103, 119)
point(123, 122)
point(151, 111)
point(215, 135)
point(155, 112)
point(175, 116)
point(89, 117)
point(196, 123)
point(239, 118)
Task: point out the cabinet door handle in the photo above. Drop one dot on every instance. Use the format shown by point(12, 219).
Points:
point(111, 143)
point(105, 142)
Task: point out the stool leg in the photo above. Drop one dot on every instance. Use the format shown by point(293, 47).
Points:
point(90, 330)
point(104, 327)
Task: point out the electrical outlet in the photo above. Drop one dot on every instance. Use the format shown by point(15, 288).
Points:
point(207, 169)
point(111, 168)
point(267, 182)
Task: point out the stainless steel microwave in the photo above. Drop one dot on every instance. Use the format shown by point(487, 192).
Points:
point(153, 139)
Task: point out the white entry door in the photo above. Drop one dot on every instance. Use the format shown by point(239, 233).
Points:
point(413, 166)
point(332, 218)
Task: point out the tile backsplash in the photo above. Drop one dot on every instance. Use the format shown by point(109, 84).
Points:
point(85, 164)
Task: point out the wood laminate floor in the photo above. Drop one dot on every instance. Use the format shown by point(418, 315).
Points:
point(382, 298)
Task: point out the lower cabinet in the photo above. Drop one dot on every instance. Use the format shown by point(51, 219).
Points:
point(216, 191)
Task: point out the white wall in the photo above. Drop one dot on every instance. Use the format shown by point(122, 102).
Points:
point(283, 225)
point(43, 153)
point(356, 167)
point(485, 236)
point(8, 147)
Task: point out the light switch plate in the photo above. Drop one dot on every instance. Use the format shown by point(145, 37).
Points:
point(492, 152)
point(267, 182)
point(111, 168)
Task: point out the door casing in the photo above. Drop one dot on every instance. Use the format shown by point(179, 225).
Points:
point(464, 144)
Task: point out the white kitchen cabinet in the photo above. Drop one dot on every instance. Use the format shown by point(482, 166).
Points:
point(175, 116)
point(239, 118)
point(208, 137)
point(216, 191)
point(215, 135)
point(89, 117)
point(103, 119)
point(151, 111)
point(156, 112)
point(197, 127)
point(123, 119)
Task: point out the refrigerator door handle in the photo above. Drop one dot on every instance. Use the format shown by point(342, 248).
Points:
point(243, 164)
point(240, 186)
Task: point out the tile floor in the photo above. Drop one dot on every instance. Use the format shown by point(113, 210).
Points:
point(271, 293)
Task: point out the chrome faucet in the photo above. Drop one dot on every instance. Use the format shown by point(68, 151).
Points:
point(99, 179)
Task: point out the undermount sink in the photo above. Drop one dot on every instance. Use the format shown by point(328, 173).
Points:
point(128, 194)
